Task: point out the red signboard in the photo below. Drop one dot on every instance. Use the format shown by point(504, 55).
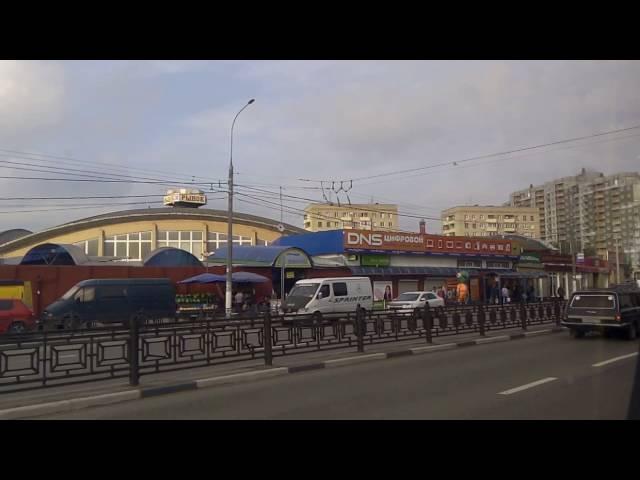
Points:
point(422, 243)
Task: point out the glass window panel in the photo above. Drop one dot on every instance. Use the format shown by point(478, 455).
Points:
point(212, 235)
point(162, 244)
point(174, 244)
point(145, 235)
point(92, 247)
point(108, 249)
point(121, 238)
point(145, 248)
point(185, 235)
point(196, 249)
point(173, 235)
point(120, 249)
point(222, 236)
point(134, 250)
point(196, 235)
point(134, 236)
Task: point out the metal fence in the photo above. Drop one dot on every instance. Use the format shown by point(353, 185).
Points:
point(44, 359)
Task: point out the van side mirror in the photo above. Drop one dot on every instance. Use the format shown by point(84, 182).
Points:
point(320, 295)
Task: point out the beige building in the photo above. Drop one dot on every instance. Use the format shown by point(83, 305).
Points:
point(485, 221)
point(319, 217)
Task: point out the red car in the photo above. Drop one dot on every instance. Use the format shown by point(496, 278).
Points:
point(15, 317)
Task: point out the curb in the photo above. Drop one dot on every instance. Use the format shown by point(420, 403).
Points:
point(65, 406)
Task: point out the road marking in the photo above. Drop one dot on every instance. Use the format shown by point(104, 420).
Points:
point(615, 359)
point(528, 385)
point(500, 338)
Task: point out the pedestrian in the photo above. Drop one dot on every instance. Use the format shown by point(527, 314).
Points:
point(531, 294)
point(561, 293)
point(505, 295)
point(239, 300)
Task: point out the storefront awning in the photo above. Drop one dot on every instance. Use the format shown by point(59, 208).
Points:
point(263, 256)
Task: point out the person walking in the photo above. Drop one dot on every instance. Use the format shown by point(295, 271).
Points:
point(505, 295)
point(239, 300)
point(561, 293)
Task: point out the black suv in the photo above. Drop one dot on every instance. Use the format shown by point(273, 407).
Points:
point(616, 307)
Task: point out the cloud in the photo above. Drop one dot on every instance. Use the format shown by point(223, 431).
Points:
point(31, 96)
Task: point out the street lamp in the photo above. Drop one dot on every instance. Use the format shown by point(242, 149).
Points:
point(228, 293)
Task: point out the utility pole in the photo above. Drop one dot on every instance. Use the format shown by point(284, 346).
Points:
point(229, 282)
point(617, 263)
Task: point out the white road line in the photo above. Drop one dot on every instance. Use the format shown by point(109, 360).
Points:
point(611, 360)
point(528, 385)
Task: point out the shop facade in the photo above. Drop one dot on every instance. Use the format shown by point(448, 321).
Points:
point(400, 262)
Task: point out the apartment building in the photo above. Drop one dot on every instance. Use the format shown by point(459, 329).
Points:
point(486, 221)
point(319, 217)
point(588, 211)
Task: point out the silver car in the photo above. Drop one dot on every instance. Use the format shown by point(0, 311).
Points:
point(409, 301)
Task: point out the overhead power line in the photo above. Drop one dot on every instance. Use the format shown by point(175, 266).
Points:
point(480, 157)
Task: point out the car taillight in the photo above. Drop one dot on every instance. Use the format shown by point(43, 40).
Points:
point(618, 317)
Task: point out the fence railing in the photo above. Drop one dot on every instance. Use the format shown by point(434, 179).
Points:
point(44, 359)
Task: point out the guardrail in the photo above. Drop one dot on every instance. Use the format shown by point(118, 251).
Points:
point(45, 359)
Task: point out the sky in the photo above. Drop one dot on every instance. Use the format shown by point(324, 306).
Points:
point(322, 121)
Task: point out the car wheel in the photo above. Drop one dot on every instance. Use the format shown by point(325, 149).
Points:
point(71, 323)
point(575, 333)
point(17, 328)
point(632, 331)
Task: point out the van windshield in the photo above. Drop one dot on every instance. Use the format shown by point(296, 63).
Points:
point(307, 290)
point(70, 293)
point(593, 301)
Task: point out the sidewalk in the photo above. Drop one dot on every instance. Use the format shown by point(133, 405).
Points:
point(201, 377)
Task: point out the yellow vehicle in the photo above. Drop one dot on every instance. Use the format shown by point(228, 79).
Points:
point(18, 290)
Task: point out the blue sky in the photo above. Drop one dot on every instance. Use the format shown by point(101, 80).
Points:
point(327, 120)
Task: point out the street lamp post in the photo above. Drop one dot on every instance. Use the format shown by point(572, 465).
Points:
point(229, 293)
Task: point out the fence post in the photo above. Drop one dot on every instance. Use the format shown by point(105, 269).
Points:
point(428, 322)
point(134, 367)
point(360, 328)
point(266, 335)
point(481, 320)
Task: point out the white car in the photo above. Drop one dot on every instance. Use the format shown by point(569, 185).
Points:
point(409, 301)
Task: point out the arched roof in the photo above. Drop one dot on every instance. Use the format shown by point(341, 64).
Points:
point(170, 257)
point(271, 256)
point(148, 214)
point(13, 234)
point(54, 254)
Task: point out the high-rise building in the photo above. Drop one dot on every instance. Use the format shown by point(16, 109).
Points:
point(588, 211)
point(319, 217)
point(486, 221)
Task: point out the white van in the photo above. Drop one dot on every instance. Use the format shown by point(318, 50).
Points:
point(321, 296)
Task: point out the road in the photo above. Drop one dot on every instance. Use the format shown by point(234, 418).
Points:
point(546, 377)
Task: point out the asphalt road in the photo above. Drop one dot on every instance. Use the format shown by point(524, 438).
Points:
point(546, 377)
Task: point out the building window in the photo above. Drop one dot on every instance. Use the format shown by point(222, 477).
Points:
point(218, 240)
point(473, 217)
point(473, 225)
point(319, 224)
point(499, 217)
point(481, 217)
point(497, 264)
point(382, 224)
point(466, 225)
point(390, 224)
point(524, 218)
point(466, 217)
point(89, 247)
point(129, 246)
point(335, 214)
